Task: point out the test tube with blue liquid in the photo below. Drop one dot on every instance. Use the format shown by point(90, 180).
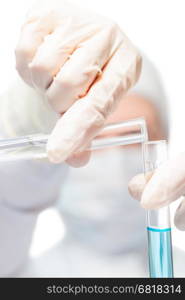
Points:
point(158, 220)
point(121, 134)
point(154, 154)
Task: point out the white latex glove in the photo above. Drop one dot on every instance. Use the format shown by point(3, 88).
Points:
point(166, 185)
point(71, 54)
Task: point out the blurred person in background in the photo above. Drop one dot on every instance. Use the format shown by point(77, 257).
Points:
point(104, 226)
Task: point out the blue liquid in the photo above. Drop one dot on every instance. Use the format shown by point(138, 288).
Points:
point(160, 253)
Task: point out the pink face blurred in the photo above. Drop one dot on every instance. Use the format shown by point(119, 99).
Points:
point(135, 106)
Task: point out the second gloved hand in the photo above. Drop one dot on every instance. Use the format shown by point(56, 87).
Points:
point(82, 63)
point(166, 185)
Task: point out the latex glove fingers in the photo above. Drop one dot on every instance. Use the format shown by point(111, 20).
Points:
point(50, 34)
point(136, 187)
point(84, 65)
point(79, 159)
point(82, 122)
point(32, 36)
point(166, 185)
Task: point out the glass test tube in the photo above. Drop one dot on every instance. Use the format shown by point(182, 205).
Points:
point(34, 146)
point(158, 221)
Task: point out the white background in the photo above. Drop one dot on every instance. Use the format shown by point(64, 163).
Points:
point(155, 26)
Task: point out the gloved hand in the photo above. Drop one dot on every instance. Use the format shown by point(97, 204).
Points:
point(162, 187)
point(82, 63)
